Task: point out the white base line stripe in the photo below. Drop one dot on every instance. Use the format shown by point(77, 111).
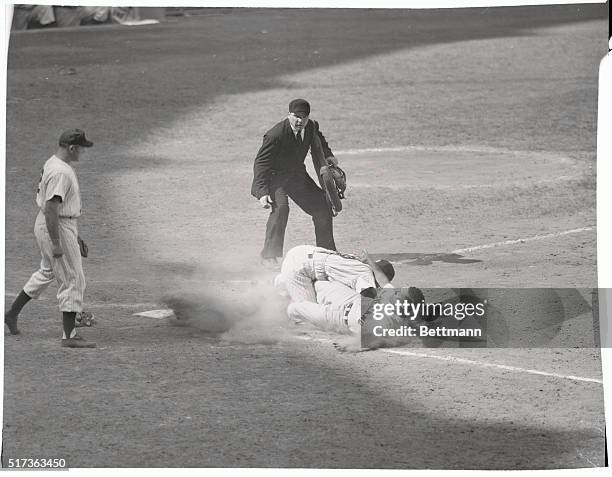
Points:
point(481, 149)
point(482, 364)
point(522, 240)
point(470, 362)
point(378, 149)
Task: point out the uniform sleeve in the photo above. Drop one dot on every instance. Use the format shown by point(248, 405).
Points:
point(365, 281)
point(327, 152)
point(262, 166)
point(57, 184)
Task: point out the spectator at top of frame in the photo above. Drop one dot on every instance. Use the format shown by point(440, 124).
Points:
point(45, 16)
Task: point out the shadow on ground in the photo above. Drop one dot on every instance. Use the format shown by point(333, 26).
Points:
point(276, 406)
point(424, 258)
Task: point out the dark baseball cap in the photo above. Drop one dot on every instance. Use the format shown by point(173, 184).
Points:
point(386, 268)
point(299, 106)
point(74, 137)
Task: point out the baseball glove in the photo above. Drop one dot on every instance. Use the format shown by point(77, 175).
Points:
point(84, 318)
point(333, 183)
point(331, 178)
point(83, 248)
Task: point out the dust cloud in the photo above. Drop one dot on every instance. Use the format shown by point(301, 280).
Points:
point(234, 303)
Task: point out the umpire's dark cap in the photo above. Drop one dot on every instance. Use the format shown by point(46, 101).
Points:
point(299, 106)
point(386, 268)
point(74, 137)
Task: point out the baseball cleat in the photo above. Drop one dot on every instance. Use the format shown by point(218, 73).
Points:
point(11, 322)
point(77, 342)
point(84, 318)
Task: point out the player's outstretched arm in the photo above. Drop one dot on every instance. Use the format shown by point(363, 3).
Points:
point(381, 278)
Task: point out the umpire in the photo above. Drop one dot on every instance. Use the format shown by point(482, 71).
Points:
point(279, 172)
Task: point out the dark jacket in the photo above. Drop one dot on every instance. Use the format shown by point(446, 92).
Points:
point(281, 153)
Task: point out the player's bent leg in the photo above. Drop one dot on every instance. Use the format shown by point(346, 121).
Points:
point(300, 287)
point(44, 276)
point(322, 316)
point(298, 283)
point(39, 281)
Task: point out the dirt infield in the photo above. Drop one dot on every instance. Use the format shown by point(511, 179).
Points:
point(457, 129)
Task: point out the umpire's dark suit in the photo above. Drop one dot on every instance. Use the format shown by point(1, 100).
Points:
point(279, 172)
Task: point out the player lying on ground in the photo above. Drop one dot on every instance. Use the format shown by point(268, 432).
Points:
point(326, 288)
point(305, 264)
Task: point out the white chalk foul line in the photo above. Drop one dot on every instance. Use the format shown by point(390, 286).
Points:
point(367, 150)
point(470, 362)
point(484, 364)
point(456, 148)
point(522, 240)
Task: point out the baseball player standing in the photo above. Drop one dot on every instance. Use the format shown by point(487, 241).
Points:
point(59, 200)
point(279, 173)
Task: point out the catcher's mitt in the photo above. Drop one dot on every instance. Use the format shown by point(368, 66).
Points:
point(333, 183)
point(85, 318)
point(331, 178)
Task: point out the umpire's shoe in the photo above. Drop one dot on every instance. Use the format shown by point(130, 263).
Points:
point(77, 342)
point(11, 322)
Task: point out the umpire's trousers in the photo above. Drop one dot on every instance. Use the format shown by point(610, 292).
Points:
point(298, 185)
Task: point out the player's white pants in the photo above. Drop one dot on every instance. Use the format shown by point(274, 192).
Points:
point(329, 317)
point(67, 269)
point(298, 274)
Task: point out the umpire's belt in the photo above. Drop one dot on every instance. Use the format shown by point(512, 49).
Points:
point(293, 170)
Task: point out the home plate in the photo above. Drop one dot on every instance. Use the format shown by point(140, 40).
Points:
point(155, 314)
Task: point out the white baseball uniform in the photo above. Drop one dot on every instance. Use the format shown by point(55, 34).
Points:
point(338, 307)
point(58, 178)
point(306, 263)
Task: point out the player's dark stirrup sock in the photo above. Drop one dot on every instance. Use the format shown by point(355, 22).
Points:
point(19, 303)
point(68, 321)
